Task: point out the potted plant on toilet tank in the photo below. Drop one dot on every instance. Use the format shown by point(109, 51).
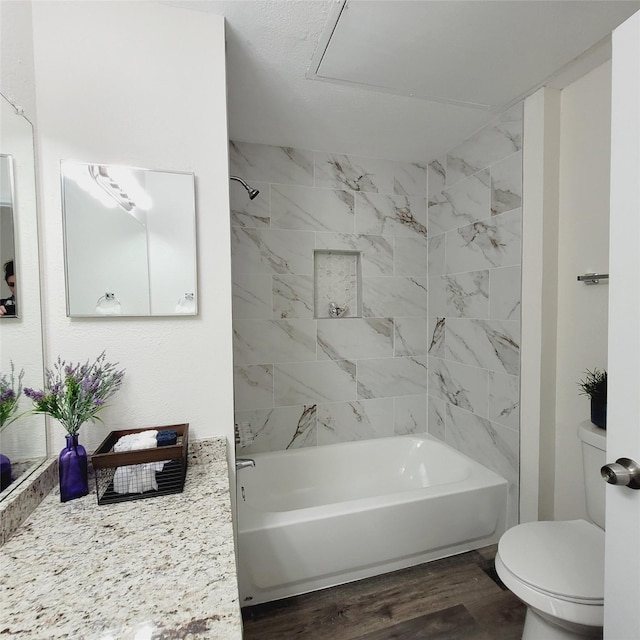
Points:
point(594, 385)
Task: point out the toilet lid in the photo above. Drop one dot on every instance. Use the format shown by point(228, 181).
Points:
point(564, 559)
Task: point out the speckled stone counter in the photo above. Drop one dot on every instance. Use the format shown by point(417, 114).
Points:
point(159, 568)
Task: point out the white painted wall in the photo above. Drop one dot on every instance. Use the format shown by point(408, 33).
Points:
point(120, 83)
point(583, 235)
point(16, 62)
point(539, 303)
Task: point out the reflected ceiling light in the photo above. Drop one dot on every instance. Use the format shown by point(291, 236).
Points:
point(127, 182)
point(111, 187)
point(81, 175)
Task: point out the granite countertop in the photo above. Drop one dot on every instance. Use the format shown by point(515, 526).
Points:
point(159, 568)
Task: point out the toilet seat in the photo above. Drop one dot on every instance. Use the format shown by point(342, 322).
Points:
point(556, 567)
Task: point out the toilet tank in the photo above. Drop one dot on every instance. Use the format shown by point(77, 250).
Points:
point(594, 450)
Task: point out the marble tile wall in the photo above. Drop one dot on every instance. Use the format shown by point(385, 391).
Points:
point(302, 381)
point(438, 345)
point(474, 256)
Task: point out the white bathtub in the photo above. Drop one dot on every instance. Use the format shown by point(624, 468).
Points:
point(322, 516)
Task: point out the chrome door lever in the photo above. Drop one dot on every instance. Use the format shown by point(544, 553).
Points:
point(623, 471)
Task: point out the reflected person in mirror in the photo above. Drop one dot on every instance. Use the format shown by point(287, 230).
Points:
point(8, 305)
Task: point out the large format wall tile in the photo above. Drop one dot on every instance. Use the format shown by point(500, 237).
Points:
point(409, 179)
point(411, 336)
point(484, 441)
point(309, 209)
point(292, 296)
point(506, 184)
point(436, 417)
point(463, 295)
point(266, 163)
point(372, 175)
point(506, 293)
point(466, 202)
point(410, 257)
point(437, 326)
point(410, 414)
point(271, 251)
point(504, 399)
point(436, 178)
point(339, 171)
point(490, 344)
point(391, 215)
point(436, 255)
point(279, 429)
point(311, 382)
point(262, 341)
point(252, 296)
point(253, 386)
point(494, 242)
point(492, 143)
point(490, 444)
point(352, 338)
point(360, 420)
point(461, 385)
point(394, 297)
point(387, 377)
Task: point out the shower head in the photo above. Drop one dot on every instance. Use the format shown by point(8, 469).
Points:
point(250, 190)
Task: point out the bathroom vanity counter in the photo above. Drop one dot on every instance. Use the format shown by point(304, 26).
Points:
point(161, 567)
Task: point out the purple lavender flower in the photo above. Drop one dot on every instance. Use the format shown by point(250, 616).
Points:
point(10, 392)
point(36, 396)
point(75, 393)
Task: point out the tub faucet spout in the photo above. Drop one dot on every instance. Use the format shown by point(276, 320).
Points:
point(243, 463)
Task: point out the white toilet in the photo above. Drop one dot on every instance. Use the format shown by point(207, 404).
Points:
point(557, 568)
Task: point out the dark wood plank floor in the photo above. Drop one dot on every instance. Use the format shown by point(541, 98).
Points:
point(457, 598)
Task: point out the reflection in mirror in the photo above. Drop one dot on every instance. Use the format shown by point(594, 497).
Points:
point(130, 240)
point(23, 442)
point(8, 297)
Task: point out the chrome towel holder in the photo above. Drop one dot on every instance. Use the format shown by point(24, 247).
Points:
point(594, 278)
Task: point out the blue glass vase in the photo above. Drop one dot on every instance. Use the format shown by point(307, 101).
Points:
point(5, 472)
point(72, 469)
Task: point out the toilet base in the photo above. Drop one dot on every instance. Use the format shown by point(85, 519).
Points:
point(537, 626)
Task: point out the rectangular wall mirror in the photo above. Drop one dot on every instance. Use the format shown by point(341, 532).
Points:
point(130, 240)
point(23, 442)
point(8, 291)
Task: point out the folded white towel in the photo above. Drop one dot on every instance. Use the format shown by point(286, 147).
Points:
point(137, 478)
point(134, 441)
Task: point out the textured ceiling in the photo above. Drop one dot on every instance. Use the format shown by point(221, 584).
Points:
point(440, 51)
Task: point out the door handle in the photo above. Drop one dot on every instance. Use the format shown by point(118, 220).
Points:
point(623, 471)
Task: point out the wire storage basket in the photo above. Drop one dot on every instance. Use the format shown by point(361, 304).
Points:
point(141, 473)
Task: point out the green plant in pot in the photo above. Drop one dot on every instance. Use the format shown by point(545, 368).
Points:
point(594, 385)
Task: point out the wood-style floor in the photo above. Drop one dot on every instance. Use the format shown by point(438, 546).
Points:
point(457, 598)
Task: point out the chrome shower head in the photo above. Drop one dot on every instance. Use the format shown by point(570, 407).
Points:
point(250, 190)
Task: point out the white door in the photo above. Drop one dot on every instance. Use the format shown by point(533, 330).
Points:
point(622, 563)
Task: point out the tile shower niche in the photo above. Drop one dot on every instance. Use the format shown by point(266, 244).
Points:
point(337, 284)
